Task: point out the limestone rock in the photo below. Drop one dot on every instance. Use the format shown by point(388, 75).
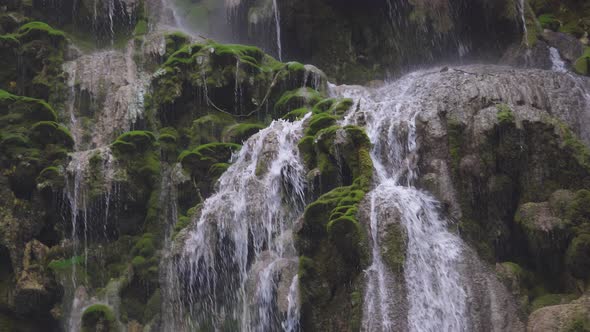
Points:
point(574, 316)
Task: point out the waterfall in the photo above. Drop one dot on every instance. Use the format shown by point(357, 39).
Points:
point(436, 295)
point(557, 63)
point(237, 268)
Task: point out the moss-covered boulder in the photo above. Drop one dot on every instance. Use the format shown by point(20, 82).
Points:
point(30, 141)
point(40, 51)
point(99, 318)
point(547, 235)
point(582, 64)
point(241, 81)
point(578, 256)
point(206, 163)
point(332, 241)
point(295, 99)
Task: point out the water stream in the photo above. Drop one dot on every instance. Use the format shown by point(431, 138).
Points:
point(237, 268)
point(436, 295)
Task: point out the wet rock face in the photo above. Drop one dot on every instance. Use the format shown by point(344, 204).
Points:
point(345, 38)
point(101, 21)
point(498, 157)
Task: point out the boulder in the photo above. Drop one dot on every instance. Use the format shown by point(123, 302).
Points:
point(574, 316)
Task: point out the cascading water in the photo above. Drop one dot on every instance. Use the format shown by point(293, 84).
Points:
point(436, 296)
point(557, 63)
point(237, 268)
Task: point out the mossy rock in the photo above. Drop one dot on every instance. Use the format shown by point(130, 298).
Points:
point(578, 210)
point(134, 141)
point(296, 114)
point(52, 176)
point(141, 27)
point(551, 299)
point(40, 30)
point(333, 106)
point(318, 122)
point(505, 115)
point(295, 99)
point(582, 64)
point(394, 246)
point(199, 160)
point(99, 318)
point(145, 246)
point(175, 41)
point(49, 132)
point(240, 132)
point(546, 235)
point(31, 108)
point(347, 234)
point(578, 256)
point(210, 128)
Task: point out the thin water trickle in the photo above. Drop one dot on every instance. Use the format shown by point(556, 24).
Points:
point(521, 9)
point(557, 63)
point(277, 16)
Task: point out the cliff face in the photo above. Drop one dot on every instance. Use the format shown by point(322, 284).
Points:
point(145, 186)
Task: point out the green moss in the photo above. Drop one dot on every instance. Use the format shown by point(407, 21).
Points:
point(325, 105)
point(505, 115)
point(145, 246)
point(581, 65)
point(208, 154)
point(141, 28)
point(99, 315)
point(138, 261)
point(393, 248)
point(240, 132)
point(9, 39)
point(37, 30)
point(580, 323)
point(578, 256)
point(182, 223)
point(576, 147)
point(551, 299)
point(210, 128)
point(318, 122)
point(140, 140)
point(578, 210)
point(46, 132)
point(296, 114)
point(549, 21)
point(294, 66)
point(33, 109)
point(62, 265)
point(295, 99)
